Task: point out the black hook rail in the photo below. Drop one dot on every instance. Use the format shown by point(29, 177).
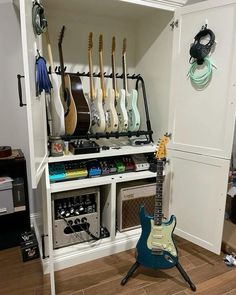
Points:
point(109, 135)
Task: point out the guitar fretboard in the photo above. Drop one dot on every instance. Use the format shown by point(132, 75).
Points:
point(158, 198)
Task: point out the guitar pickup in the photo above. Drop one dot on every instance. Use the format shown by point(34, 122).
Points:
point(157, 236)
point(157, 252)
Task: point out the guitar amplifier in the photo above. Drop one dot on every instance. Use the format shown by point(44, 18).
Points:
point(76, 215)
point(129, 200)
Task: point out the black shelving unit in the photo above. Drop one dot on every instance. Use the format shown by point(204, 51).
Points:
point(13, 224)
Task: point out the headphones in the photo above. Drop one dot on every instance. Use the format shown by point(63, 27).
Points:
point(199, 51)
point(38, 18)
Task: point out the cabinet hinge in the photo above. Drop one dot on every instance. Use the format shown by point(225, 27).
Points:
point(174, 24)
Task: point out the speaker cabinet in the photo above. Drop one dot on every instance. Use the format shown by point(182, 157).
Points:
point(129, 200)
point(75, 213)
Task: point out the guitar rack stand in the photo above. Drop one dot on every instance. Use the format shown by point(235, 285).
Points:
point(139, 80)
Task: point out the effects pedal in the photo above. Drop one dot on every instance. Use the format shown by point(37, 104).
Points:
point(140, 162)
point(128, 162)
point(94, 168)
point(84, 147)
point(120, 167)
point(57, 172)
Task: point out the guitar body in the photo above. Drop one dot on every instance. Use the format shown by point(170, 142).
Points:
point(132, 110)
point(98, 123)
point(82, 106)
point(156, 248)
point(122, 112)
point(110, 112)
point(69, 108)
point(56, 107)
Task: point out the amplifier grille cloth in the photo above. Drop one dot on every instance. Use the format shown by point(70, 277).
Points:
point(130, 210)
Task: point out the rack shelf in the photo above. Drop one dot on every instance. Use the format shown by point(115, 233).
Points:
point(112, 152)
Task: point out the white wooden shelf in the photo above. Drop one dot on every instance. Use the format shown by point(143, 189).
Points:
point(101, 180)
point(112, 152)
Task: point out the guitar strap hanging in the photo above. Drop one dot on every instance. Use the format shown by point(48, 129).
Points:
point(198, 50)
point(38, 19)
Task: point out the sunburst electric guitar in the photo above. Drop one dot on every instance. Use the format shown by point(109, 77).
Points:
point(131, 98)
point(156, 247)
point(120, 99)
point(98, 122)
point(108, 101)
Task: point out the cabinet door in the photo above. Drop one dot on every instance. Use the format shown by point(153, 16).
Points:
point(197, 196)
point(36, 112)
point(202, 121)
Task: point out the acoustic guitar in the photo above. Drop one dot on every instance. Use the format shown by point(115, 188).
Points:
point(98, 122)
point(120, 100)
point(108, 101)
point(156, 247)
point(56, 107)
point(131, 98)
point(66, 94)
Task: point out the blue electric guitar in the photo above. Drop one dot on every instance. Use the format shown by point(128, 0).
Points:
point(156, 247)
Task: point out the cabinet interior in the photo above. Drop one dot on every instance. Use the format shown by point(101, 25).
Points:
point(148, 54)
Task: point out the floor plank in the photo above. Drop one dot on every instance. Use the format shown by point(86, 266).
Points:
point(103, 276)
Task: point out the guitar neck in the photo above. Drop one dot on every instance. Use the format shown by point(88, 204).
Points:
point(114, 82)
point(49, 51)
point(158, 197)
point(92, 92)
point(62, 67)
point(125, 82)
point(102, 74)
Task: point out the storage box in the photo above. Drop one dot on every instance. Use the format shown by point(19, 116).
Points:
point(29, 246)
point(229, 237)
point(6, 199)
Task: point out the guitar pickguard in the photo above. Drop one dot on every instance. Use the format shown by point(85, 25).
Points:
point(160, 238)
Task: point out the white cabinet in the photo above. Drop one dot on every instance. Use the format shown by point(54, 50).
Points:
point(201, 122)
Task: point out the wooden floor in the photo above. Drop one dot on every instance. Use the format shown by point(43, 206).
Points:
point(103, 276)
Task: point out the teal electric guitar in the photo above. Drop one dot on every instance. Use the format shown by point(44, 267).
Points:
point(156, 247)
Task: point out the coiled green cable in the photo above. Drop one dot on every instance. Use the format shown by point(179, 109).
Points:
point(201, 80)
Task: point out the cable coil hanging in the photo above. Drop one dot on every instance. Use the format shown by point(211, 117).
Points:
point(203, 78)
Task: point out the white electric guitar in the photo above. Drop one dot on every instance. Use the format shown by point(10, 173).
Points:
point(108, 101)
point(96, 102)
point(120, 99)
point(131, 98)
point(56, 107)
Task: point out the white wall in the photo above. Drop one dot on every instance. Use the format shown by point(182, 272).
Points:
point(193, 1)
point(13, 127)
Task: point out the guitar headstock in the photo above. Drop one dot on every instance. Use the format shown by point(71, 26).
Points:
point(161, 151)
point(61, 36)
point(124, 46)
point(113, 47)
point(90, 41)
point(100, 43)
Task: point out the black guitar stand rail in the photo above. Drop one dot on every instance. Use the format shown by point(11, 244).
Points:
point(178, 265)
point(139, 80)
